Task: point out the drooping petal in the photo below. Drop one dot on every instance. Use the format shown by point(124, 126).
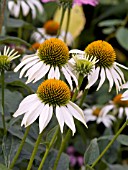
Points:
point(60, 118)
point(45, 117)
point(110, 78)
point(51, 73)
point(24, 62)
point(68, 77)
point(57, 73)
point(92, 78)
point(76, 113)
point(25, 8)
point(102, 78)
point(68, 119)
point(121, 110)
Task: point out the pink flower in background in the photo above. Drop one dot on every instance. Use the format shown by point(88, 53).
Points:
point(86, 2)
point(79, 2)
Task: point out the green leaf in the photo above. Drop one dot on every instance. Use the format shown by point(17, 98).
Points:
point(123, 139)
point(122, 37)
point(10, 39)
point(3, 167)
point(12, 100)
point(111, 22)
point(117, 167)
point(51, 133)
point(92, 152)
point(108, 30)
point(63, 162)
point(14, 23)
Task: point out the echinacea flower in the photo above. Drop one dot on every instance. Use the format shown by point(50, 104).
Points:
point(95, 114)
point(6, 58)
point(51, 58)
point(117, 106)
point(106, 65)
point(24, 6)
point(78, 2)
point(52, 95)
point(80, 63)
point(49, 30)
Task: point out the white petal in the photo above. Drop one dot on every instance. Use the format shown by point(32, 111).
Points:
point(68, 77)
point(76, 51)
point(76, 114)
point(72, 75)
point(38, 5)
point(45, 117)
point(31, 115)
point(121, 110)
point(110, 78)
point(16, 9)
point(51, 73)
point(102, 78)
point(120, 72)
point(92, 78)
point(57, 73)
point(27, 66)
point(60, 118)
point(122, 66)
point(33, 9)
point(24, 62)
point(114, 75)
point(68, 119)
point(25, 8)
point(25, 104)
point(106, 109)
point(41, 73)
point(10, 5)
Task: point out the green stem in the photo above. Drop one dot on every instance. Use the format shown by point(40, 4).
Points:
point(67, 26)
point(48, 149)
point(83, 97)
point(34, 151)
point(20, 148)
point(62, 147)
point(61, 21)
point(2, 88)
point(80, 79)
point(109, 144)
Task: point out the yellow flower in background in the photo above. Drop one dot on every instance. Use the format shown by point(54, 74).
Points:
point(52, 95)
point(77, 15)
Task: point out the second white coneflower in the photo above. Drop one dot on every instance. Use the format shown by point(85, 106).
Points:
point(51, 95)
point(51, 58)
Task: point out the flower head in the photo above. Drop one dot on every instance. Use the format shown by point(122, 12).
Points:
point(7, 57)
point(81, 63)
point(51, 57)
point(117, 106)
point(51, 95)
point(26, 6)
point(95, 114)
point(106, 65)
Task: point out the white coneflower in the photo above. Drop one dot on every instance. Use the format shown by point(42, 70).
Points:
point(49, 30)
point(51, 58)
point(26, 5)
point(95, 114)
point(106, 65)
point(80, 63)
point(117, 106)
point(7, 56)
point(52, 95)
